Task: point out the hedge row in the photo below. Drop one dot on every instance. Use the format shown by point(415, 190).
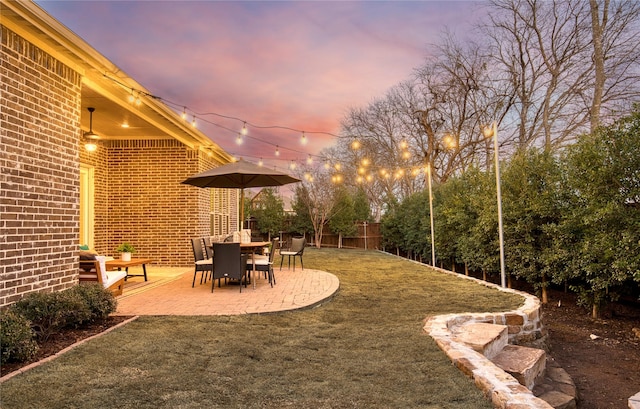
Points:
point(38, 316)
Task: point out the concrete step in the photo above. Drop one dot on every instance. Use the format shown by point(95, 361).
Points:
point(487, 339)
point(556, 387)
point(523, 363)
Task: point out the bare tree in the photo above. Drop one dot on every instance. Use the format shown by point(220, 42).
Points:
point(316, 193)
point(616, 56)
point(564, 59)
point(467, 97)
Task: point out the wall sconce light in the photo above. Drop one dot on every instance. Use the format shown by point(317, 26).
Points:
point(90, 136)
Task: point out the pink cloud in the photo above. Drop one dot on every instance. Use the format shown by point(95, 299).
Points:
point(295, 64)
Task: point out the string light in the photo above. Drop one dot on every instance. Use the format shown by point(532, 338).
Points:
point(309, 160)
point(239, 139)
point(135, 96)
point(260, 163)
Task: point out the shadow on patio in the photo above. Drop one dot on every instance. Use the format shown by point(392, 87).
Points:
point(169, 292)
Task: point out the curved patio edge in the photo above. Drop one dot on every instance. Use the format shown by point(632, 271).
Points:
point(293, 290)
point(524, 326)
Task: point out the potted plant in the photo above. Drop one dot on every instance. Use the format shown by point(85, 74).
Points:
point(126, 249)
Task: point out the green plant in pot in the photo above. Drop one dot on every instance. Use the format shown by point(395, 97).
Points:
point(126, 249)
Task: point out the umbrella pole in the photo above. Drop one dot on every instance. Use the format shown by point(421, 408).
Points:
point(241, 209)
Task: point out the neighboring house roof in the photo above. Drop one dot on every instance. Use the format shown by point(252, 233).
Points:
point(152, 119)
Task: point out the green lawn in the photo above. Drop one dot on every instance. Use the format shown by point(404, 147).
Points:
point(363, 349)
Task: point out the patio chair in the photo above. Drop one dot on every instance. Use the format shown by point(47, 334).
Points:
point(208, 250)
point(229, 262)
point(96, 271)
point(201, 263)
point(296, 249)
point(265, 264)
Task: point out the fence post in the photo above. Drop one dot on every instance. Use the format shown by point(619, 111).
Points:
point(365, 234)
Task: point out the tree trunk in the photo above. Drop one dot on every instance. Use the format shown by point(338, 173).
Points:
point(597, 29)
point(484, 275)
point(466, 269)
point(545, 296)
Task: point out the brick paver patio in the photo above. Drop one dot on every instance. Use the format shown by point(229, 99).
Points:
point(169, 292)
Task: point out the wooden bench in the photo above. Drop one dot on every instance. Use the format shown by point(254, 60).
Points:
point(91, 271)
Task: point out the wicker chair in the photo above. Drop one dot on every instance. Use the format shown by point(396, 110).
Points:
point(265, 264)
point(229, 262)
point(297, 249)
point(200, 262)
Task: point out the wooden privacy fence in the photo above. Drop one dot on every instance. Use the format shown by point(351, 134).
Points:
point(368, 237)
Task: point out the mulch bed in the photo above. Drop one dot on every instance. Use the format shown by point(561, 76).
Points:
point(60, 341)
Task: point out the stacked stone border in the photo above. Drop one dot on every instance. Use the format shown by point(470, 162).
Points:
point(524, 326)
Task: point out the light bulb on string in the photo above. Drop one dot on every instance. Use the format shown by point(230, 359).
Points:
point(260, 163)
point(292, 166)
point(303, 139)
point(132, 99)
point(309, 160)
point(277, 151)
point(193, 123)
point(355, 145)
point(239, 139)
point(244, 129)
point(184, 113)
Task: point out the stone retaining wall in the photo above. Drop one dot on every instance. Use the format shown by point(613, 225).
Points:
point(525, 328)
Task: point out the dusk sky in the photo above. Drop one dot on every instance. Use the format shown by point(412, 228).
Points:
point(300, 65)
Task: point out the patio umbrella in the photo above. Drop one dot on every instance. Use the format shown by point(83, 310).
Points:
point(240, 175)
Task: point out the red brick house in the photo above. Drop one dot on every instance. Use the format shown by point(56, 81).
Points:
point(56, 195)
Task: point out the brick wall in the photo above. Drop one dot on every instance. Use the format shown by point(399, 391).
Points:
point(138, 194)
point(142, 201)
point(139, 198)
point(40, 129)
